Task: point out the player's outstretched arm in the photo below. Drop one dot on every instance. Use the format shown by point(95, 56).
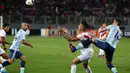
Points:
point(5, 42)
point(102, 30)
point(26, 43)
point(67, 36)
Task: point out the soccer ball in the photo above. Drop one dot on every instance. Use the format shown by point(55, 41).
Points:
point(29, 2)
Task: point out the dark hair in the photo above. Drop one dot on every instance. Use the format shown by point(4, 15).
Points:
point(87, 26)
point(117, 20)
point(6, 24)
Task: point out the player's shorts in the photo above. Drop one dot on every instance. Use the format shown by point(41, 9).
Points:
point(1, 51)
point(109, 50)
point(15, 54)
point(85, 58)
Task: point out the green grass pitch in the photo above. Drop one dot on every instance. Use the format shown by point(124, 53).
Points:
point(52, 55)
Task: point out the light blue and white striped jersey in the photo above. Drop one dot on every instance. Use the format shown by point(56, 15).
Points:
point(17, 39)
point(114, 35)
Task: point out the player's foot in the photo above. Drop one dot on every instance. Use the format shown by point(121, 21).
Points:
point(4, 71)
point(72, 48)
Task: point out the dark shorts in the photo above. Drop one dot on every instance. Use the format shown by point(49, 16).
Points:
point(15, 54)
point(109, 50)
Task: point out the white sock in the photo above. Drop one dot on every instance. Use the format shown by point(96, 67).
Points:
point(88, 70)
point(22, 70)
point(73, 68)
point(114, 70)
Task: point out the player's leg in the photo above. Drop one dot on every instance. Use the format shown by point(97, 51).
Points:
point(109, 56)
point(87, 68)
point(73, 64)
point(84, 44)
point(100, 44)
point(23, 62)
point(73, 48)
point(3, 69)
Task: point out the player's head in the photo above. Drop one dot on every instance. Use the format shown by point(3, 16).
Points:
point(82, 26)
point(6, 27)
point(24, 26)
point(116, 22)
point(104, 25)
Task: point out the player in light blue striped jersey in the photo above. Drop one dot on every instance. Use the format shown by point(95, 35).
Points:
point(19, 39)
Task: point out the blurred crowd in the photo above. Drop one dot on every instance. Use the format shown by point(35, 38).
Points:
point(66, 7)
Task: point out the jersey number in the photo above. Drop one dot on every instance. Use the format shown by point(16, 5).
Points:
point(117, 36)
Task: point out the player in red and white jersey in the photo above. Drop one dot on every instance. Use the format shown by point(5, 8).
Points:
point(102, 36)
point(3, 54)
point(85, 53)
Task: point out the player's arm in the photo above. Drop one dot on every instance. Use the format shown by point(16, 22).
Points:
point(67, 36)
point(5, 42)
point(106, 29)
point(26, 43)
point(102, 30)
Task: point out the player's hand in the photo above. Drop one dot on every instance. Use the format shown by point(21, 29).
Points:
point(65, 30)
point(31, 46)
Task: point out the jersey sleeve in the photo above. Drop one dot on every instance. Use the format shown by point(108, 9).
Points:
point(79, 36)
point(23, 35)
point(109, 27)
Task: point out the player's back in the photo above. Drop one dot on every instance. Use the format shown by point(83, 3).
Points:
point(114, 35)
point(17, 39)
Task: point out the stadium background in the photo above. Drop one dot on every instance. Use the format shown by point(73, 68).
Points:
point(49, 52)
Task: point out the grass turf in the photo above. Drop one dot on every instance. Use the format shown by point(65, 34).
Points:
point(52, 55)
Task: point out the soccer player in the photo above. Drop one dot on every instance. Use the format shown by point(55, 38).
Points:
point(19, 39)
point(102, 35)
point(109, 45)
point(86, 53)
point(3, 54)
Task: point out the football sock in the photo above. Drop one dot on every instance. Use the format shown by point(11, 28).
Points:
point(88, 70)
point(73, 68)
point(22, 63)
point(114, 70)
point(5, 63)
point(22, 70)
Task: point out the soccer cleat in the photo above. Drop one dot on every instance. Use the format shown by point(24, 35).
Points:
point(72, 48)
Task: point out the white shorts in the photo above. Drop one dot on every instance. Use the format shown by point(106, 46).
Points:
point(85, 57)
point(1, 51)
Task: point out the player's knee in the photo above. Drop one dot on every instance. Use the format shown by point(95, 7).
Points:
point(23, 58)
point(73, 62)
point(5, 56)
